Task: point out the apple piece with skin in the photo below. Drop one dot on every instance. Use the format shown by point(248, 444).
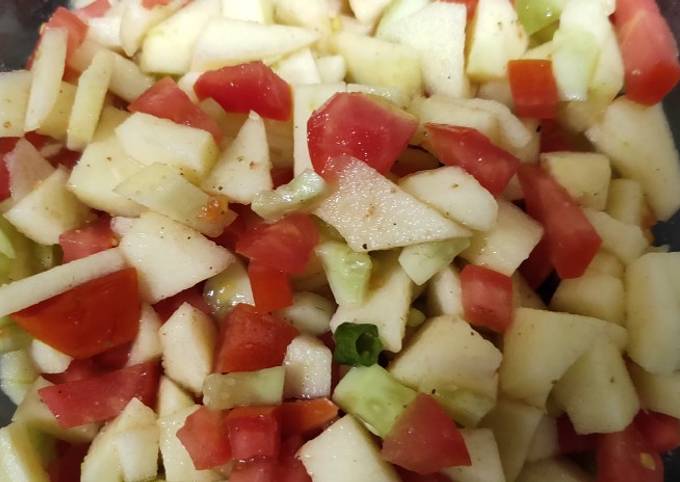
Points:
point(441, 24)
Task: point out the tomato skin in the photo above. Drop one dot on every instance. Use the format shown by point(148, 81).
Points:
point(254, 432)
point(649, 51)
point(425, 439)
point(534, 90)
point(250, 340)
point(272, 289)
point(627, 457)
point(103, 397)
point(194, 296)
point(661, 431)
point(246, 87)
point(408, 476)
point(4, 180)
point(88, 319)
point(305, 417)
point(473, 151)
point(205, 437)
point(98, 8)
point(572, 240)
point(149, 4)
point(285, 245)
point(571, 442)
point(74, 26)
point(537, 267)
point(166, 100)
point(90, 239)
point(360, 126)
point(487, 297)
point(281, 176)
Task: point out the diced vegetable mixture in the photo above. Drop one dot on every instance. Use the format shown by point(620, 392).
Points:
point(340, 241)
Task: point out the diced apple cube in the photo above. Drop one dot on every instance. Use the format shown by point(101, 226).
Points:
point(308, 368)
point(600, 296)
point(299, 68)
point(332, 68)
point(545, 443)
point(47, 359)
point(626, 241)
point(376, 62)
point(19, 460)
point(137, 451)
point(456, 194)
point(553, 469)
point(48, 211)
point(444, 295)
point(345, 451)
point(171, 398)
point(147, 346)
point(310, 313)
point(605, 263)
point(48, 69)
point(170, 257)
point(659, 393)
point(447, 352)
point(15, 88)
point(137, 20)
point(486, 462)
point(585, 176)
point(597, 392)
point(169, 46)
point(220, 43)
point(56, 123)
point(505, 246)
point(244, 169)
point(626, 201)
point(149, 139)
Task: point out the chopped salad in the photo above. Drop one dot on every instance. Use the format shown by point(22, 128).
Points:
point(334, 241)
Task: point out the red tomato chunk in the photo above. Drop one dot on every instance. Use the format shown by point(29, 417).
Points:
point(254, 432)
point(103, 397)
point(649, 51)
point(487, 297)
point(98, 8)
point(537, 267)
point(88, 319)
point(4, 180)
point(272, 289)
point(534, 90)
point(627, 457)
point(246, 87)
point(66, 466)
point(205, 437)
point(360, 126)
point(571, 442)
point(305, 417)
point(425, 439)
point(194, 296)
point(661, 431)
point(251, 340)
point(285, 245)
point(89, 239)
point(473, 151)
point(572, 240)
point(167, 101)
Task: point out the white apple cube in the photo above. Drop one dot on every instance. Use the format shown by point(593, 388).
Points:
point(188, 340)
point(48, 359)
point(306, 99)
point(332, 68)
point(260, 11)
point(385, 305)
point(127, 80)
point(626, 201)
point(497, 36)
point(652, 308)
point(137, 20)
point(625, 241)
point(368, 11)
point(49, 210)
point(597, 392)
point(456, 194)
point(505, 246)
point(545, 443)
point(47, 70)
point(15, 88)
point(149, 139)
point(170, 257)
point(441, 24)
point(147, 346)
point(137, 451)
point(374, 61)
point(514, 425)
point(171, 398)
point(605, 263)
point(600, 296)
point(446, 352)
point(244, 168)
point(345, 451)
point(308, 368)
point(659, 393)
point(585, 176)
point(56, 123)
point(392, 94)
point(639, 142)
point(444, 295)
point(169, 46)
point(220, 43)
point(313, 14)
point(299, 68)
point(19, 460)
point(310, 313)
point(27, 292)
point(110, 119)
point(89, 101)
point(367, 209)
point(101, 168)
point(523, 295)
point(486, 462)
point(560, 469)
point(539, 347)
point(105, 29)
